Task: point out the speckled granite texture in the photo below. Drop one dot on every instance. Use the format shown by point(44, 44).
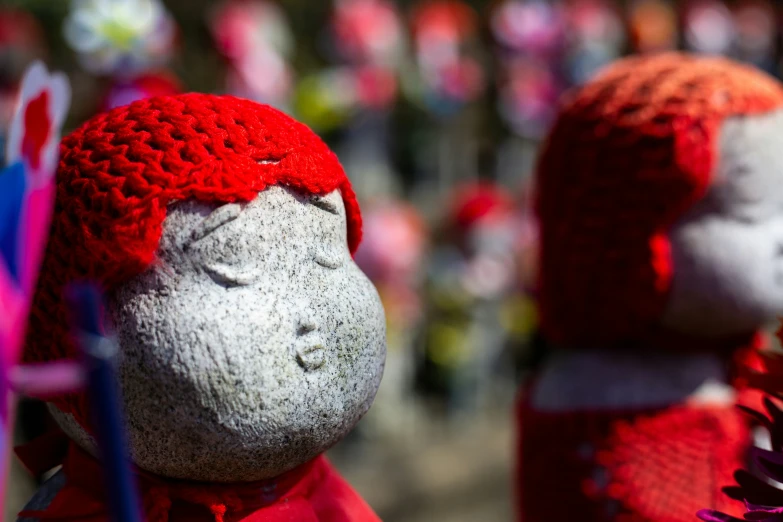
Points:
point(253, 344)
point(728, 250)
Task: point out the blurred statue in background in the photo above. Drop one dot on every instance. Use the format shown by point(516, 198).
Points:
point(128, 43)
point(476, 309)
point(257, 42)
point(660, 200)
point(393, 256)
point(249, 341)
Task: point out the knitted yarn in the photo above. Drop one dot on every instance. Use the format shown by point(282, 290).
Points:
point(650, 465)
point(661, 467)
point(121, 169)
point(630, 152)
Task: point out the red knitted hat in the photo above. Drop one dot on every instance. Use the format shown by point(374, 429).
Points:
point(121, 169)
point(629, 153)
point(473, 202)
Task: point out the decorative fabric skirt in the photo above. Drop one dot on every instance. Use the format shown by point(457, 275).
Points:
point(656, 465)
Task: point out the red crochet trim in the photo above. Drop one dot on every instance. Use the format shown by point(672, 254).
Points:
point(121, 169)
point(629, 154)
point(652, 465)
point(665, 467)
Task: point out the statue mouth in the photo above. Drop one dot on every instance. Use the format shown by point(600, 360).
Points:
point(311, 357)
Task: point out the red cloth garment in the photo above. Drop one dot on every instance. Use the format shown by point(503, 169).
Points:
point(118, 174)
point(657, 464)
point(653, 465)
point(314, 492)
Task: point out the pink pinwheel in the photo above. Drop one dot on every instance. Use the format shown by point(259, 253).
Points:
point(26, 194)
point(26, 202)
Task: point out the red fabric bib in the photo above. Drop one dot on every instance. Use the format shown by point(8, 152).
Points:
point(646, 465)
point(634, 465)
point(314, 492)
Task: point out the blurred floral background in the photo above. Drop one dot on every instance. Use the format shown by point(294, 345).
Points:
point(436, 109)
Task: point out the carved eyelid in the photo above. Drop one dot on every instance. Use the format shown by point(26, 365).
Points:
point(328, 261)
point(230, 278)
point(325, 204)
point(215, 220)
point(222, 275)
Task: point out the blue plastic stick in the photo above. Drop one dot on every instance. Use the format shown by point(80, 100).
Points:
point(86, 304)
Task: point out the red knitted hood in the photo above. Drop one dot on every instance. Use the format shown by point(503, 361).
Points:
point(629, 153)
point(121, 169)
point(471, 203)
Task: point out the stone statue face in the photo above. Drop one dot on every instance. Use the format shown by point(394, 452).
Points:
point(727, 254)
point(728, 250)
point(252, 344)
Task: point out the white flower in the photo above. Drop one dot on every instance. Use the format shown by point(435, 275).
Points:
point(115, 36)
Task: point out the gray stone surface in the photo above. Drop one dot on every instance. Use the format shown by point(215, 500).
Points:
point(727, 254)
point(251, 345)
point(728, 250)
point(595, 379)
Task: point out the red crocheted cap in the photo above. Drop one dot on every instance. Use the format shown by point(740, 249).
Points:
point(629, 153)
point(473, 202)
point(121, 169)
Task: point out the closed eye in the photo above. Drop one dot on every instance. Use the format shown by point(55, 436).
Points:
point(219, 217)
point(325, 204)
point(328, 260)
point(228, 277)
